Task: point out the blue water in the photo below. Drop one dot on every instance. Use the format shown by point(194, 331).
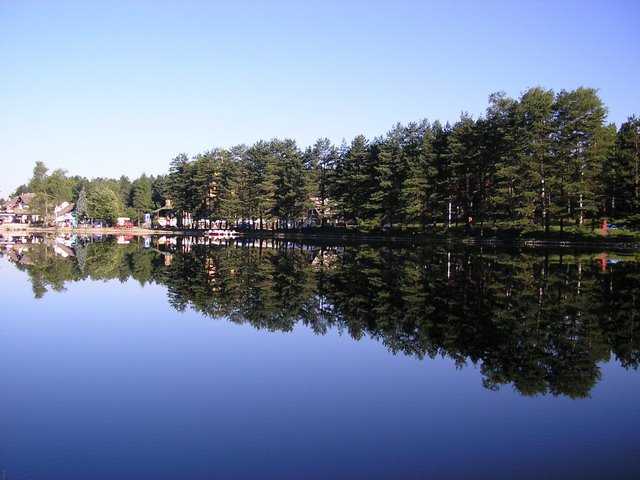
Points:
point(106, 380)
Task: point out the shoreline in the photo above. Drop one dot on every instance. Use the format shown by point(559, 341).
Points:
point(621, 244)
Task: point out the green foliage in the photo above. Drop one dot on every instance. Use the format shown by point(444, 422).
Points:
point(320, 162)
point(578, 129)
point(124, 188)
point(622, 171)
point(104, 203)
point(285, 182)
point(160, 190)
point(418, 198)
point(36, 184)
point(142, 194)
point(50, 190)
point(354, 182)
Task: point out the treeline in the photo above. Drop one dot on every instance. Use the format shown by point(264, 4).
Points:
point(542, 323)
point(544, 159)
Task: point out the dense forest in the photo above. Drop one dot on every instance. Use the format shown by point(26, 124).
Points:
point(544, 160)
point(540, 322)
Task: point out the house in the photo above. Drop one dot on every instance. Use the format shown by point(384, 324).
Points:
point(19, 203)
point(164, 216)
point(321, 212)
point(65, 213)
point(18, 208)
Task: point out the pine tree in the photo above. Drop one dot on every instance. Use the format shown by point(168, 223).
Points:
point(81, 205)
point(354, 182)
point(320, 163)
point(178, 187)
point(418, 194)
point(125, 190)
point(390, 172)
point(533, 148)
point(622, 172)
point(579, 117)
point(463, 162)
point(285, 181)
point(441, 188)
point(260, 190)
point(142, 195)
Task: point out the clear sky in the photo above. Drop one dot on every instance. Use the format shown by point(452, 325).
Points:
point(110, 88)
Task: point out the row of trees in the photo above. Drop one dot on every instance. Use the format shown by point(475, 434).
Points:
point(545, 158)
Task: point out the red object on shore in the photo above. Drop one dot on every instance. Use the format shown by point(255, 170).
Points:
point(604, 224)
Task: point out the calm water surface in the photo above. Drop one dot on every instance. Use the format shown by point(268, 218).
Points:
point(162, 358)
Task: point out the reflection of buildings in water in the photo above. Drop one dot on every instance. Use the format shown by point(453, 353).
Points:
point(18, 239)
point(64, 246)
point(186, 243)
point(19, 255)
point(16, 247)
point(63, 251)
point(328, 260)
point(123, 239)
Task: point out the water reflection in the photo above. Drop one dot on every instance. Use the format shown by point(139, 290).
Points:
point(541, 323)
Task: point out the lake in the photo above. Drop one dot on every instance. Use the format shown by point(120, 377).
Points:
point(177, 357)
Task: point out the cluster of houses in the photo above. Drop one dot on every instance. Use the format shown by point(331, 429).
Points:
point(16, 211)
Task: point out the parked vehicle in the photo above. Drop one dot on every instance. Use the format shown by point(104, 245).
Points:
point(611, 226)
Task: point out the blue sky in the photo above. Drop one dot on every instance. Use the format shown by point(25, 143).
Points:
point(111, 88)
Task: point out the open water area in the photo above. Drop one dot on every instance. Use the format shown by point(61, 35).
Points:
point(182, 357)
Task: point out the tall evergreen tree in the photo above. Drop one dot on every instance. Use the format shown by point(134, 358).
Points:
point(354, 181)
point(579, 121)
point(125, 190)
point(390, 172)
point(260, 194)
point(464, 160)
point(36, 183)
point(320, 161)
point(533, 144)
point(442, 191)
point(522, 139)
point(622, 172)
point(178, 186)
point(418, 193)
point(81, 205)
point(286, 182)
point(142, 195)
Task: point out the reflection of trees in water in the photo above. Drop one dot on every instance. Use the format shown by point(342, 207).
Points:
point(540, 323)
point(96, 260)
point(268, 288)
